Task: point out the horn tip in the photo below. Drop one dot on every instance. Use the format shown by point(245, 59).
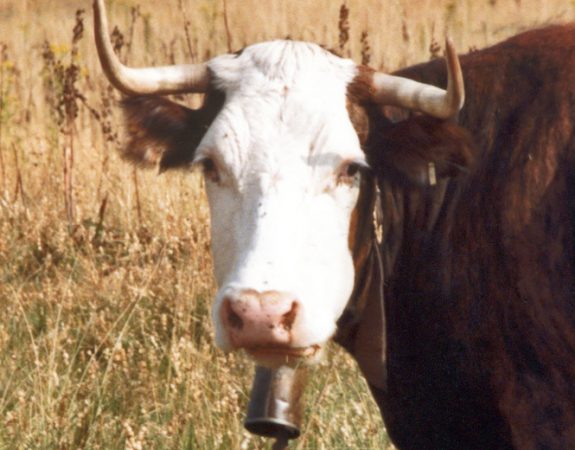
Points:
point(449, 46)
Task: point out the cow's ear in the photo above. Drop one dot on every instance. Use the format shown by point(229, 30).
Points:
point(165, 134)
point(422, 149)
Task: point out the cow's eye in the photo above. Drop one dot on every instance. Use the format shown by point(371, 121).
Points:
point(210, 170)
point(349, 171)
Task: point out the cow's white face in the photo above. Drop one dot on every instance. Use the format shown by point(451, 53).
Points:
point(280, 162)
point(281, 158)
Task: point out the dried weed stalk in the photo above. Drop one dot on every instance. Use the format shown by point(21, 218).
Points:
point(365, 48)
point(119, 43)
point(61, 78)
point(4, 109)
point(227, 27)
point(187, 26)
point(434, 46)
point(343, 27)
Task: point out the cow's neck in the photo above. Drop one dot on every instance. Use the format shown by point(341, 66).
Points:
point(361, 329)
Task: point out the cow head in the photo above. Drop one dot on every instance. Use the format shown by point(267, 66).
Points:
point(283, 161)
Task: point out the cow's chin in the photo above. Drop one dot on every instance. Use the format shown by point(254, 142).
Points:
point(274, 357)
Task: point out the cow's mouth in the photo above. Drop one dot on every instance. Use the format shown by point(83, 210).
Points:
point(276, 356)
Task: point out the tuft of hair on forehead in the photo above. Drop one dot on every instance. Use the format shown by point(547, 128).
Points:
point(165, 134)
point(285, 61)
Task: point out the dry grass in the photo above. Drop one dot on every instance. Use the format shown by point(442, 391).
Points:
point(105, 274)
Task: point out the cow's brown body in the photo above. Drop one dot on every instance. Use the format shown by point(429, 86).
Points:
point(479, 286)
point(462, 317)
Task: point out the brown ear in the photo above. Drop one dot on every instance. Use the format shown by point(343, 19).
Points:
point(422, 148)
point(164, 133)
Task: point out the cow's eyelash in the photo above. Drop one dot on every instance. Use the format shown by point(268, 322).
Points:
point(209, 168)
point(349, 170)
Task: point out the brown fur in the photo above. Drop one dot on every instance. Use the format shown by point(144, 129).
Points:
point(164, 133)
point(479, 269)
point(410, 146)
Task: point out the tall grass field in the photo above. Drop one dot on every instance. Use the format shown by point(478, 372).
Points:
point(105, 271)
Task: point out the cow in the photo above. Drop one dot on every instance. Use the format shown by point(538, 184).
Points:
point(429, 231)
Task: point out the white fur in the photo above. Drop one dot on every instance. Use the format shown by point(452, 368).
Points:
point(279, 219)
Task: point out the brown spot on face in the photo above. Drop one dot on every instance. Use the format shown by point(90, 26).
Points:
point(359, 120)
point(359, 93)
point(361, 90)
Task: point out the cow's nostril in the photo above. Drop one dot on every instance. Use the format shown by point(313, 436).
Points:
point(234, 320)
point(289, 317)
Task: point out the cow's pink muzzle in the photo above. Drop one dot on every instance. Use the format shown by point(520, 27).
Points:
point(259, 320)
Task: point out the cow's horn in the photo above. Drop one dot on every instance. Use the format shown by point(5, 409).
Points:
point(398, 91)
point(150, 80)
